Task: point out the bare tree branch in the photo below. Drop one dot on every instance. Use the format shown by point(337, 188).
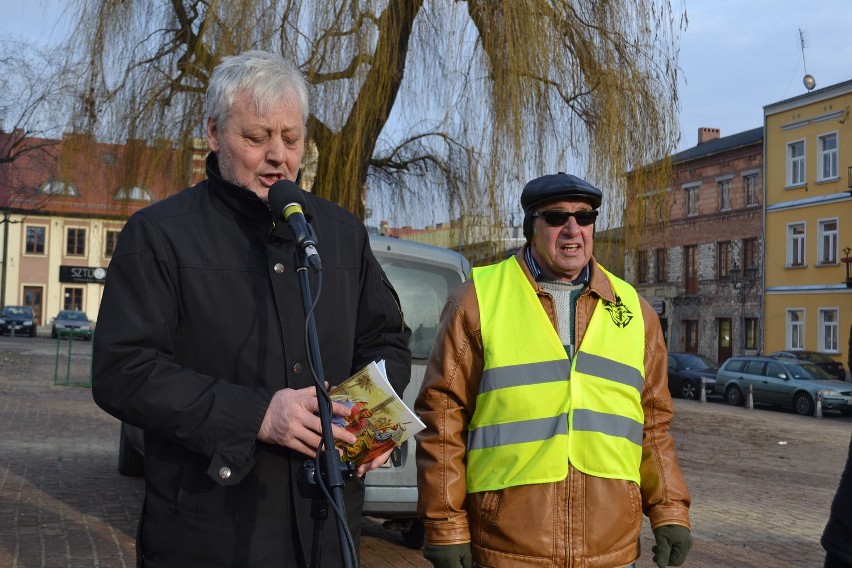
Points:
point(470, 96)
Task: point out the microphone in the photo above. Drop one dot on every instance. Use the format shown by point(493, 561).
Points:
point(286, 200)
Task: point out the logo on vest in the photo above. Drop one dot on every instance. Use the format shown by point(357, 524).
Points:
point(619, 313)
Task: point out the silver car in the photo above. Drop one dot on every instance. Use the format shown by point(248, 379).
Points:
point(790, 383)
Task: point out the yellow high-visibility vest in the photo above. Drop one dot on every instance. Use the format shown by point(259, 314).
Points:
point(536, 410)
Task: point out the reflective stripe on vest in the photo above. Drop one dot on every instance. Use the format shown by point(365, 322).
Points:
point(519, 433)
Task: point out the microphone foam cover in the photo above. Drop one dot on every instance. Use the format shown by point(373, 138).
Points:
point(282, 193)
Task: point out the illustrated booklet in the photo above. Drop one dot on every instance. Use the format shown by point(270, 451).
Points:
point(380, 419)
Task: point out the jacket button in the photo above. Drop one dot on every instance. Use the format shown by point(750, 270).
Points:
point(224, 473)
point(278, 268)
point(297, 368)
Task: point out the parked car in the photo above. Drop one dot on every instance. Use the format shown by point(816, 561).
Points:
point(686, 370)
point(423, 277)
point(71, 322)
point(19, 320)
point(778, 381)
point(821, 360)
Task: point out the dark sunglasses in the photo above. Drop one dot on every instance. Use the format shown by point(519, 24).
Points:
point(584, 217)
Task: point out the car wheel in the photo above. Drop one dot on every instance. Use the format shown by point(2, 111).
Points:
point(53, 334)
point(734, 396)
point(688, 390)
point(803, 404)
point(130, 463)
point(413, 534)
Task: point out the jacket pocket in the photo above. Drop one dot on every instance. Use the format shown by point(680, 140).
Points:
point(612, 514)
point(518, 520)
point(202, 499)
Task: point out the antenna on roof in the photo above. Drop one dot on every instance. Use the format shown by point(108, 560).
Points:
point(808, 79)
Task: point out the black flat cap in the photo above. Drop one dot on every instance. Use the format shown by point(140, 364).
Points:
point(558, 186)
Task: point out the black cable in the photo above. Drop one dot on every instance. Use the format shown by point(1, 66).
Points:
point(324, 398)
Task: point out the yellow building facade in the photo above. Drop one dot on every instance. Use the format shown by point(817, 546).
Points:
point(808, 222)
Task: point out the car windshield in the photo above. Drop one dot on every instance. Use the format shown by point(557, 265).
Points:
point(693, 361)
point(74, 316)
point(808, 372)
point(12, 311)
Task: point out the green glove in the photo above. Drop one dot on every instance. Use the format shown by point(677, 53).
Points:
point(673, 542)
point(449, 555)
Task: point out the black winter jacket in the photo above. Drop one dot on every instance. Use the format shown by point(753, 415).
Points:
point(200, 323)
point(837, 537)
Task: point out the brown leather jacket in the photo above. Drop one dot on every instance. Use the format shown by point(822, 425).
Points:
point(582, 521)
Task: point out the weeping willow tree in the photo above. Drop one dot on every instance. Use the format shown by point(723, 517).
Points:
point(424, 102)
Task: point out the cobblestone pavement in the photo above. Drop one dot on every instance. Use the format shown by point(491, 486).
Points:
point(762, 480)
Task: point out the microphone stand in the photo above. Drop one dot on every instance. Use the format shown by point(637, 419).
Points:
point(329, 478)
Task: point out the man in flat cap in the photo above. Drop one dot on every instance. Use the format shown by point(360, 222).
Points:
point(547, 408)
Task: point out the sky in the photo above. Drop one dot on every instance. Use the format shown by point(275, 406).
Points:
point(738, 56)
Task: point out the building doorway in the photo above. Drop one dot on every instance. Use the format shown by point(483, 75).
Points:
point(723, 340)
point(33, 298)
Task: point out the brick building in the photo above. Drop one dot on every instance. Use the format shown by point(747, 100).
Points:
point(63, 207)
point(700, 232)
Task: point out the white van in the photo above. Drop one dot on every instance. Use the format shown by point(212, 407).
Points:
point(423, 277)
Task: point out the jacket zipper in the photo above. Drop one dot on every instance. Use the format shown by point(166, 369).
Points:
point(395, 301)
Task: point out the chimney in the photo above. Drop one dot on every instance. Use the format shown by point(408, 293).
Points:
point(707, 134)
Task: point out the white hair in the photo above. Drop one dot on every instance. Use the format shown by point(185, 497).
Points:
point(267, 77)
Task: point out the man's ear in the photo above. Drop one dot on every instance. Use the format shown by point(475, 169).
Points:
point(212, 135)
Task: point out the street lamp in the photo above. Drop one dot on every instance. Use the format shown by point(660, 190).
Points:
point(847, 260)
point(743, 284)
point(6, 220)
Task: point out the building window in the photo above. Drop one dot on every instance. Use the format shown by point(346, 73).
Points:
point(660, 266)
point(642, 266)
point(751, 190)
point(56, 187)
point(110, 240)
point(647, 207)
point(796, 244)
point(35, 239)
point(827, 157)
point(723, 260)
point(691, 200)
point(690, 336)
point(796, 329)
point(796, 163)
point(750, 334)
point(73, 299)
point(749, 253)
point(724, 187)
point(690, 269)
point(829, 330)
point(827, 235)
point(75, 244)
point(134, 193)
